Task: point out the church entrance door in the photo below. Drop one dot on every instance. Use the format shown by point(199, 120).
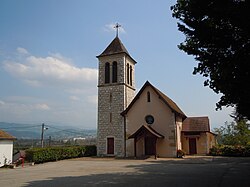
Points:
point(150, 145)
point(110, 146)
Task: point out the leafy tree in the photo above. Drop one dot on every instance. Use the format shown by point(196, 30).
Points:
point(218, 35)
point(234, 133)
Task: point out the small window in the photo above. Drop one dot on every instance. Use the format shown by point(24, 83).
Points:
point(148, 97)
point(110, 117)
point(110, 97)
point(149, 119)
point(131, 80)
point(114, 72)
point(107, 73)
point(128, 73)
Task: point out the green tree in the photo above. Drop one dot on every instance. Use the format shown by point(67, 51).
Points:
point(234, 133)
point(218, 35)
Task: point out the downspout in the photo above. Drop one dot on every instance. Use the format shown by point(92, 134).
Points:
point(124, 118)
point(125, 104)
point(175, 134)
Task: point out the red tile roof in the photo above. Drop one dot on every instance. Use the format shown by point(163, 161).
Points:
point(5, 136)
point(198, 124)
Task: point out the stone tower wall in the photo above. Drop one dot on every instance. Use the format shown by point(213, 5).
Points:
point(113, 98)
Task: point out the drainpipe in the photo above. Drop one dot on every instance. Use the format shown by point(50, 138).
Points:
point(124, 118)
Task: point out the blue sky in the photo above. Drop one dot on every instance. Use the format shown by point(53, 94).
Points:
point(48, 65)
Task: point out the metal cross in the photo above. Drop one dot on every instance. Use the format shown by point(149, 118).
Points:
point(117, 28)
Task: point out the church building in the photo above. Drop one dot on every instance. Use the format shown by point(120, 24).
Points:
point(145, 124)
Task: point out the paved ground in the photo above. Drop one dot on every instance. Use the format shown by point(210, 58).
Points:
point(199, 171)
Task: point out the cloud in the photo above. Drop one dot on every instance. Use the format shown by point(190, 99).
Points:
point(52, 83)
point(111, 28)
point(2, 102)
point(51, 71)
point(93, 99)
point(42, 107)
point(22, 51)
point(74, 98)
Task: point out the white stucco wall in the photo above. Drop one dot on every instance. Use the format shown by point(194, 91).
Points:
point(6, 151)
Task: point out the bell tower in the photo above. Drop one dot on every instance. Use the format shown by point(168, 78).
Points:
point(116, 89)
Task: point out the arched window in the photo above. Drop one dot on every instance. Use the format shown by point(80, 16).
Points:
point(148, 97)
point(114, 72)
point(107, 73)
point(131, 72)
point(128, 73)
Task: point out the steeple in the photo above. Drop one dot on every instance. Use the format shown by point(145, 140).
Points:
point(115, 47)
point(116, 89)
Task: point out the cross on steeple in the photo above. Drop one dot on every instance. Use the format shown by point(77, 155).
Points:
point(117, 28)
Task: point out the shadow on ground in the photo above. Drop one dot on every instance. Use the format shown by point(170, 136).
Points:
point(219, 172)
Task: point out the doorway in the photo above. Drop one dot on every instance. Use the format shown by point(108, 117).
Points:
point(192, 146)
point(150, 145)
point(110, 146)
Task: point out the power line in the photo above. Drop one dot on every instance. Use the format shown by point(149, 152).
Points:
point(20, 127)
point(81, 132)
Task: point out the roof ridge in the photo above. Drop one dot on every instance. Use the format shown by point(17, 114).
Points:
point(171, 104)
point(168, 99)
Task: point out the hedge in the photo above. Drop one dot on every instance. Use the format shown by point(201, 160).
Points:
point(41, 155)
point(229, 150)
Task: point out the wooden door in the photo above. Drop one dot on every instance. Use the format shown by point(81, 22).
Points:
point(110, 146)
point(192, 146)
point(150, 145)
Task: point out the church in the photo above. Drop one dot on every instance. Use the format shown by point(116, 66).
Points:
point(143, 124)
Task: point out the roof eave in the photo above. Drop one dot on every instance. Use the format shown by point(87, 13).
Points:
point(104, 55)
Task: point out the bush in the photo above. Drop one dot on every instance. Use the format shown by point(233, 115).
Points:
point(41, 155)
point(90, 150)
point(229, 150)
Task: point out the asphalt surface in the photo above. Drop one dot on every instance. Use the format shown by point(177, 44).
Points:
point(198, 171)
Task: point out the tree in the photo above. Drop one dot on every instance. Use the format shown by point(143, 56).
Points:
point(234, 133)
point(218, 35)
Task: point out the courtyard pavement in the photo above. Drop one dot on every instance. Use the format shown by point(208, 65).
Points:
point(190, 171)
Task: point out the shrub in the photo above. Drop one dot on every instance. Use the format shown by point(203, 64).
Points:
point(40, 155)
point(90, 150)
point(229, 150)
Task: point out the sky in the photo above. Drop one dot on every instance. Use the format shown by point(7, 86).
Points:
point(49, 69)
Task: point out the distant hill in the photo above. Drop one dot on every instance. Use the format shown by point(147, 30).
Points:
point(29, 131)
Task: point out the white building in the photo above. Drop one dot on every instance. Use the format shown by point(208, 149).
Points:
point(6, 148)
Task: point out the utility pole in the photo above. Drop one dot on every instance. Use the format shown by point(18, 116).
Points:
point(42, 135)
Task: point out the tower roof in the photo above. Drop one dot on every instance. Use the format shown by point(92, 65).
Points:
point(115, 47)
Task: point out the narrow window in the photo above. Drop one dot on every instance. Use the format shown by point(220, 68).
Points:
point(107, 73)
point(110, 97)
point(131, 71)
point(110, 117)
point(148, 97)
point(128, 73)
point(114, 72)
